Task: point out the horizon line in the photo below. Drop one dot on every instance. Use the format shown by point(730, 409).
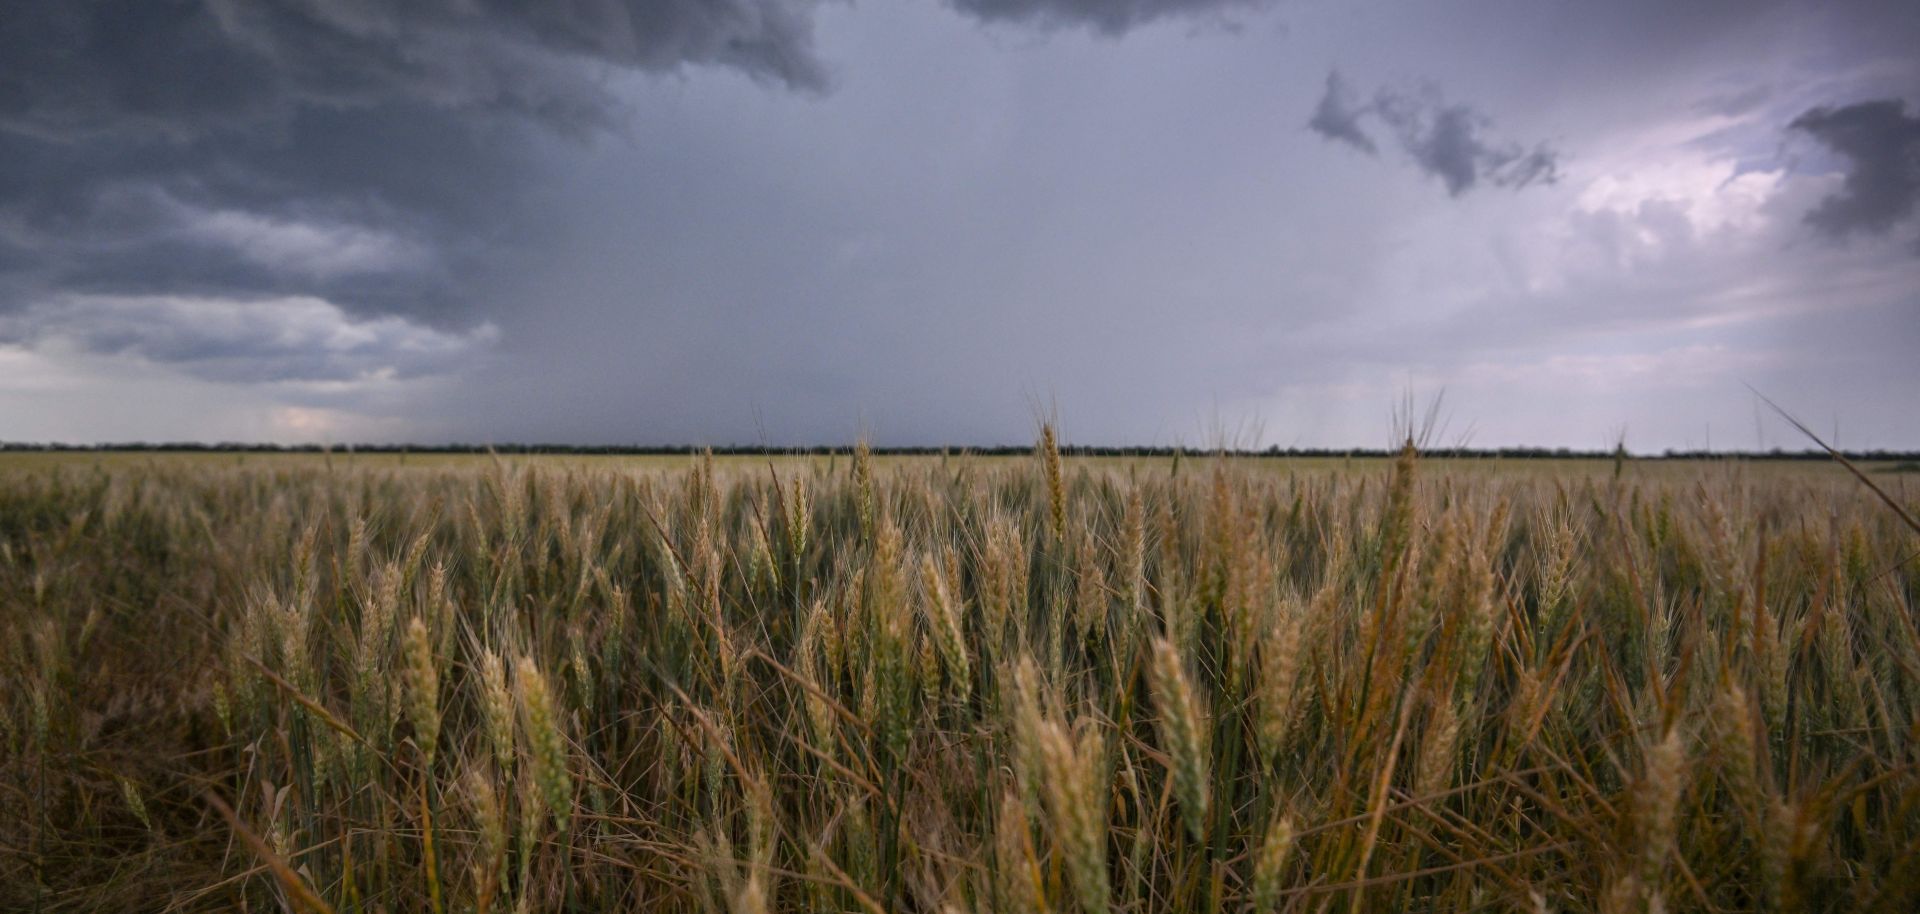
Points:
point(1522, 452)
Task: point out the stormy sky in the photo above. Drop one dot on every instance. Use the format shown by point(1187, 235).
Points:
point(797, 221)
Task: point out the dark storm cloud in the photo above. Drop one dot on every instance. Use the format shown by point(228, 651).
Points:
point(1881, 144)
point(272, 212)
point(241, 148)
point(1112, 17)
point(1445, 140)
point(180, 67)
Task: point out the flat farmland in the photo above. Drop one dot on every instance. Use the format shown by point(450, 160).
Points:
point(1023, 682)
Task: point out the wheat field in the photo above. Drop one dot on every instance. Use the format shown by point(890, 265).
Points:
point(956, 685)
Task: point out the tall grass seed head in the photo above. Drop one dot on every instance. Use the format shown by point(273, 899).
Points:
point(423, 689)
point(546, 744)
point(1183, 725)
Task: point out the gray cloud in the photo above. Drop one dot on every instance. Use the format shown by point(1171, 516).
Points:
point(1337, 117)
point(1881, 144)
point(293, 339)
point(366, 153)
point(1111, 17)
point(373, 208)
point(1445, 140)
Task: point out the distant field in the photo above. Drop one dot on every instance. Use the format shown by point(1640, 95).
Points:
point(1018, 683)
point(37, 460)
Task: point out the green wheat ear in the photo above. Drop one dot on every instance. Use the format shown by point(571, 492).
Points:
point(423, 689)
point(945, 619)
point(1074, 804)
point(546, 745)
point(1183, 726)
point(497, 708)
point(1270, 860)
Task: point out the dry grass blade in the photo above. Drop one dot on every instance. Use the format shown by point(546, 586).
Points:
point(1842, 459)
point(296, 888)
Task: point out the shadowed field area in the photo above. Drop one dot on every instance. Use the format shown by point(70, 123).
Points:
point(954, 684)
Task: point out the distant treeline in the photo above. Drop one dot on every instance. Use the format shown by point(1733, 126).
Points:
point(739, 450)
